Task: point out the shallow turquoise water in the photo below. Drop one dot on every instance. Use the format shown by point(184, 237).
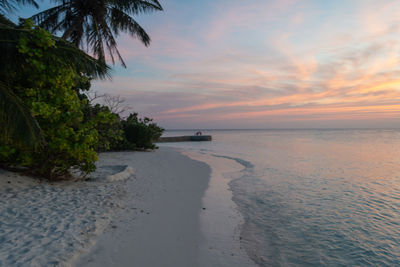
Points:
point(315, 197)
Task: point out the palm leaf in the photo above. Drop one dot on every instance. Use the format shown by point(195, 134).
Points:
point(70, 55)
point(122, 21)
point(136, 7)
point(99, 22)
point(81, 61)
point(49, 19)
point(7, 6)
point(6, 22)
point(16, 122)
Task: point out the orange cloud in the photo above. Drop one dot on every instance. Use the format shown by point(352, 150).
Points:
point(273, 59)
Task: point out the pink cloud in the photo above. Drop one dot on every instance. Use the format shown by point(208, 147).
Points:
point(336, 72)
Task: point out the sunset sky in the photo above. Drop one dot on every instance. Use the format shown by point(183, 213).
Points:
point(265, 64)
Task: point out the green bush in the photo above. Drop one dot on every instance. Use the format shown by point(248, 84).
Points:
point(139, 133)
point(71, 129)
point(46, 87)
point(108, 126)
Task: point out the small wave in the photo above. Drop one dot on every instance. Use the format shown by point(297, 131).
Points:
point(247, 164)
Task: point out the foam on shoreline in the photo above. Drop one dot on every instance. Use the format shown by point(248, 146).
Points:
point(177, 210)
point(221, 222)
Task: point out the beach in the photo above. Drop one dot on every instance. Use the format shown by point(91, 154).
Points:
point(312, 197)
point(199, 133)
point(248, 198)
point(159, 208)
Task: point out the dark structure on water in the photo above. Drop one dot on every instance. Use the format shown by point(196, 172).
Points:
point(186, 138)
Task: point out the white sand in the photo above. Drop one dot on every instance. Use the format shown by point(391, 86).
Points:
point(154, 218)
point(160, 226)
point(221, 221)
point(187, 219)
point(45, 224)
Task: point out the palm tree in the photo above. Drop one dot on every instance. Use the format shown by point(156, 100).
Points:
point(93, 25)
point(16, 121)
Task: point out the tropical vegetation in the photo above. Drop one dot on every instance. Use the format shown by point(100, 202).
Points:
point(94, 25)
point(139, 133)
point(47, 123)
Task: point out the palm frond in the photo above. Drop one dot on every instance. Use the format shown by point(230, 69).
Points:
point(27, 2)
point(16, 121)
point(136, 7)
point(50, 19)
point(8, 6)
point(98, 22)
point(81, 61)
point(111, 44)
point(122, 21)
point(71, 56)
point(6, 22)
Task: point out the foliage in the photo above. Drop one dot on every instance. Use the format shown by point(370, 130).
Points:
point(45, 83)
point(46, 123)
point(11, 34)
point(107, 124)
point(16, 120)
point(98, 22)
point(116, 133)
point(139, 133)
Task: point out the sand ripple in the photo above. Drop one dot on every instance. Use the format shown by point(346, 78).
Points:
point(44, 224)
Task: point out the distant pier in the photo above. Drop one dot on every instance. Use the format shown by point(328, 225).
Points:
point(186, 138)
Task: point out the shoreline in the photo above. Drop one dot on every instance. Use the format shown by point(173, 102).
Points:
point(176, 209)
point(192, 221)
point(222, 223)
point(159, 225)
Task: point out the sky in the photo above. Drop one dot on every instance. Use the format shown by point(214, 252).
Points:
point(264, 64)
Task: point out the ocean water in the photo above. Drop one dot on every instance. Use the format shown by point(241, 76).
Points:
point(314, 197)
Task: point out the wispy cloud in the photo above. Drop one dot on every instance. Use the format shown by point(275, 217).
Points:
point(251, 63)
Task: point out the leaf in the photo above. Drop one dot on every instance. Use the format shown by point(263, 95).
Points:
point(16, 121)
point(94, 25)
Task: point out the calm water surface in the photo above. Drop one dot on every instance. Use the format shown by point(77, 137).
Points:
point(315, 197)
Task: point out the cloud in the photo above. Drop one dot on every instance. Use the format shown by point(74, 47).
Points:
point(272, 61)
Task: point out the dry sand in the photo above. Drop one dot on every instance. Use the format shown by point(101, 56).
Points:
point(221, 221)
point(160, 223)
point(50, 224)
point(140, 209)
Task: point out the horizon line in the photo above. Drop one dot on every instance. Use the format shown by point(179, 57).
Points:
point(263, 129)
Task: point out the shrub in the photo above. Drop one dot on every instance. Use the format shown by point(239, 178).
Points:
point(139, 133)
point(45, 84)
point(71, 129)
point(108, 126)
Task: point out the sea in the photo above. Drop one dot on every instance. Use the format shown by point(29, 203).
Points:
point(314, 197)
